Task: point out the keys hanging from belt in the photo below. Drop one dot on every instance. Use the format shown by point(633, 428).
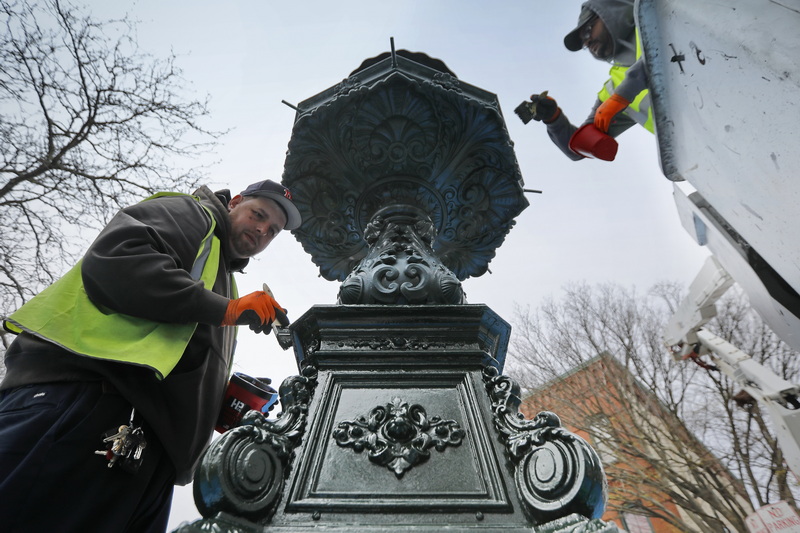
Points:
point(124, 446)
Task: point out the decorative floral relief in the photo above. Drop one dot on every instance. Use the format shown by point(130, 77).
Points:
point(398, 435)
point(448, 81)
point(403, 140)
point(394, 343)
point(346, 85)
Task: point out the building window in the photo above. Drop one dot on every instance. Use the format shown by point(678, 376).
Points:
point(636, 523)
point(600, 432)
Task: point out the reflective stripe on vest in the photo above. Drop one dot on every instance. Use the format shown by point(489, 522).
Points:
point(64, 315)
point(639, 109)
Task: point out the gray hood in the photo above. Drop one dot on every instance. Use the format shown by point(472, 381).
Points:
point(617, 15)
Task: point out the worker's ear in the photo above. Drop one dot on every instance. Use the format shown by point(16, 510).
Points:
point(235, 201)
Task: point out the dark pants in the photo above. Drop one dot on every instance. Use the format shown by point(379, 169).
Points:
point(50, 477)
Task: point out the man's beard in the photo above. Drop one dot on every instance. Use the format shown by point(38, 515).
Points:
point(604, 51)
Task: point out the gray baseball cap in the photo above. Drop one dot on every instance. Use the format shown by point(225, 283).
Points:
point(282, 195)
point(573, 40)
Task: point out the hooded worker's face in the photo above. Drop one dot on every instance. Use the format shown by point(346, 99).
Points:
point(255, 221)
point(597, 39)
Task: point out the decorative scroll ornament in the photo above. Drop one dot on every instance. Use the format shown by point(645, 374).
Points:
point(398, 435)
point(557, 472)
point(400, 267)
point(242, 472)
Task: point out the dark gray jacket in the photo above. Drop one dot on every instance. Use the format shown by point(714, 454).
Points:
point(139, 265)
point(617, 15)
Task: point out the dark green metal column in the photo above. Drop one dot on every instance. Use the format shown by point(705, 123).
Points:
point(400, 418)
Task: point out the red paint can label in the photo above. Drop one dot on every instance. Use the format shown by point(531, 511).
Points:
point(244, 393)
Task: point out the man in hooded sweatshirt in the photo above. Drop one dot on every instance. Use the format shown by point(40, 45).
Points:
point(137, 340)
point(606, 28)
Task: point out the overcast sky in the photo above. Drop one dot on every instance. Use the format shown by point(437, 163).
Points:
point(595, 221)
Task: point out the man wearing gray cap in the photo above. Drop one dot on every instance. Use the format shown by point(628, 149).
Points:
point(116, 377)
point(607, 30)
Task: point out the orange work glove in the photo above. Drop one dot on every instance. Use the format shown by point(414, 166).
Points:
point(607, 111)
point(257, 310)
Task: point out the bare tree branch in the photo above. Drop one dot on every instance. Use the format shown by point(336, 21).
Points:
point(674, 429)
point(89, 123)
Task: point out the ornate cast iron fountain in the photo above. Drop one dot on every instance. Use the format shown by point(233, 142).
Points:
point(401, 419)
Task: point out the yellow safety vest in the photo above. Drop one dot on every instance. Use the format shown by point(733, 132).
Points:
point(64, 315)
point(638, 110)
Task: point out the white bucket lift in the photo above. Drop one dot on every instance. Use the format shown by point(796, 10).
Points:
point(725, 87)
point(725, 84)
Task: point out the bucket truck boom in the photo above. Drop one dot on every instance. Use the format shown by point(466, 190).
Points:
point(685, 337)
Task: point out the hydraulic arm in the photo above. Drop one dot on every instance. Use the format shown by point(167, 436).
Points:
point(686, 338)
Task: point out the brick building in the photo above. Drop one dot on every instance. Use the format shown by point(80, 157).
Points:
point(661, 478)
